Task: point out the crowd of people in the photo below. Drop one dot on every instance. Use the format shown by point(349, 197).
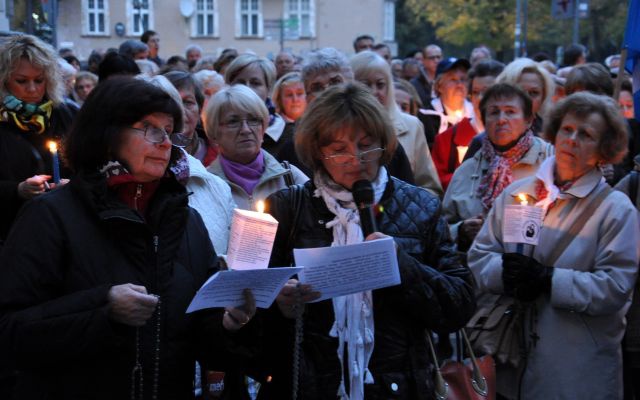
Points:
point(119, 177)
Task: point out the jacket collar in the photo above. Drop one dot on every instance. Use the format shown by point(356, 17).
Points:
point(531, 157)
point(580, 189)
point(272, 169)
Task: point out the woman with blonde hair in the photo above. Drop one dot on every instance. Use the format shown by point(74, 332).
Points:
point(33, 112)
point(373, 71)
point(536, 81)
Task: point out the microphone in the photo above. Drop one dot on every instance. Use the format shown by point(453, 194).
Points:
point(362, 191)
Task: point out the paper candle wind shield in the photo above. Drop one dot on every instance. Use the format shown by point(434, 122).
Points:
point(521, 223)
point(251, 239)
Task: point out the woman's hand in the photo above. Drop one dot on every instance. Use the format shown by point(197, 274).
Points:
point(130, 304)
point(235, 318)
point(293, 296)
point(468, 230)
point(34, 186)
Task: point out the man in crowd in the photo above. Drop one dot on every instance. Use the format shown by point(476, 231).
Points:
point(285, 62)
point(151, 39)
point(193, 53)
point(431, 56)
point(362, 43)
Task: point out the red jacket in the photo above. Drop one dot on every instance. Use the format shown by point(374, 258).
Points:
point(445, 156)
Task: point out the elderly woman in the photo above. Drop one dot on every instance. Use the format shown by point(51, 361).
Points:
point(259, 74)
point(236, 120)
point(192, 138)
point(509, 152)
point(372, 70)
point(578, 298)
point(123, 257)
point(345, 136)
point(33, 112)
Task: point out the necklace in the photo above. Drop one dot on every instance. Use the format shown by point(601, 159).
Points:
point(137, 373)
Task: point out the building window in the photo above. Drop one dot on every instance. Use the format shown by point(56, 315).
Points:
point(205, 22)
point(300, 18)
point(140, 16)
point(250, 15)
point(95, 17)
point(389, 29)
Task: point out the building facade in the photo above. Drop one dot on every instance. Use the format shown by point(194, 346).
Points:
point(260, 26)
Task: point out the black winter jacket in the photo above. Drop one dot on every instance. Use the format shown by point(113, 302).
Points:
point(67, 249)
point(25, 154)
point(435, 293)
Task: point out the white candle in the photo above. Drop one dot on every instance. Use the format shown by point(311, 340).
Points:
point(53, 148)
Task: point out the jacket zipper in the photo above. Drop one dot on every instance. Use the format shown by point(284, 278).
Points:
point(137, 196)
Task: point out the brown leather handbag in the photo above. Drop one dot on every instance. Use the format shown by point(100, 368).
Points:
point(466, 379)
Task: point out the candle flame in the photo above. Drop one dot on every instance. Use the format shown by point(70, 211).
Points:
point(53, 146)
point(260, 206)
point(523, 199)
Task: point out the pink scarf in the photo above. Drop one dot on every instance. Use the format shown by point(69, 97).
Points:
point(499, 174)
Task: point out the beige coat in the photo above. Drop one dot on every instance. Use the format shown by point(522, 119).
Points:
point(271, 181)
point(581, 323)
point(410, 133)
point(461, 201)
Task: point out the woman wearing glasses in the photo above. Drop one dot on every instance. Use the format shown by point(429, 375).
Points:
point(97, 274)
point(236, 120)
point(345, 136)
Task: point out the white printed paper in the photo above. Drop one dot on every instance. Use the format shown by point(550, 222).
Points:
point(342, 270)
point(522, 224)
point(250, 240)
point(224, 289)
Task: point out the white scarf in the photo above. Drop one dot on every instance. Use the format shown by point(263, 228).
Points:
point(545, 174)
point(353, 313)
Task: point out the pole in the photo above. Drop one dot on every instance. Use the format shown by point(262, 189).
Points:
point(576, 21)
point(516, 45)
point(281, 34)
point(524, 27)
point(621, 73)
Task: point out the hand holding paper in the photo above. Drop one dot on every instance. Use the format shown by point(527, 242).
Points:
point(293, 296)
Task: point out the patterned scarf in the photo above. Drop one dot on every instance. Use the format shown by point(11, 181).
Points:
point(246, 176)
point(26, 116)
point(116, 173)
point(354, 313)
point(499, 174)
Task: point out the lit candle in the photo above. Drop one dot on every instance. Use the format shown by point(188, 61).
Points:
point(523, 202)
point(260, 206)
point(53, 148)
point(523, 199)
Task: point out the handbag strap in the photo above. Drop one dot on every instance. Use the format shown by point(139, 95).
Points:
point(288, 176)
point(591, 207)
point(478, 381)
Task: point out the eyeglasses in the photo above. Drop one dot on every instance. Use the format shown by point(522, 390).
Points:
point(236, 123)
point(364, 157)
point(152, 134)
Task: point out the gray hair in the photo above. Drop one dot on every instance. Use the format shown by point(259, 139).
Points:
point(39, 54)
point(132, 47)
point(243, 61)
point(326, 60)
point(192, 47)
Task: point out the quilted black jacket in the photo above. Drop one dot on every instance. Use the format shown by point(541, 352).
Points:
point(435, 293)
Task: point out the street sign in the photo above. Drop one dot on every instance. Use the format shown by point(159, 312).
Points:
point(564, 9)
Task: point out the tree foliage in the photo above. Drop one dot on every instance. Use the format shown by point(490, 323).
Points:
point(463, 24)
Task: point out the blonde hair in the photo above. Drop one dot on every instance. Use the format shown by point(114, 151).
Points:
point(239, 97)
point(514, 71)
point(368, 62)
point(285, 80)
point(40, 55)
point(243, 61)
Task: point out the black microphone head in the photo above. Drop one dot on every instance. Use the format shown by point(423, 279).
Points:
point(362, 191)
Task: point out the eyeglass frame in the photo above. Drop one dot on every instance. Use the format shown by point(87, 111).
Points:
point(332, 157)
point(245, 120)
point(166, 135)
